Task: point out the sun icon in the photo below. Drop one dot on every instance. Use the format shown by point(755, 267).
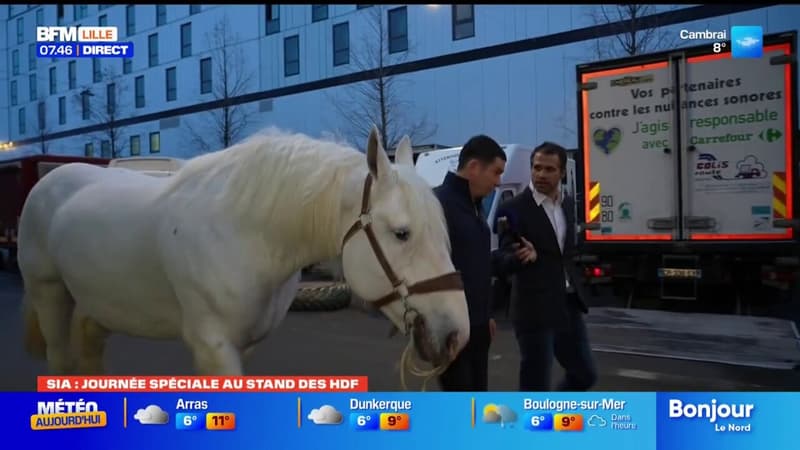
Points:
point(489, 409)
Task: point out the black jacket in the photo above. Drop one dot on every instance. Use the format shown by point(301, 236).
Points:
point(470, 243)
point(538, 294)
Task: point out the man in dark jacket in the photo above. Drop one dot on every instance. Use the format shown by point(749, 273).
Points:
point(547, 299)
point(480, 165)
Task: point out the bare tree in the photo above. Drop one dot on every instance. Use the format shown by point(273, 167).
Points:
point(638, 37)
point(106, 108)
point(231, 77)
point(380, 100)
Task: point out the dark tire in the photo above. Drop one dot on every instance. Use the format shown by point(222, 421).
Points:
point(329, 296)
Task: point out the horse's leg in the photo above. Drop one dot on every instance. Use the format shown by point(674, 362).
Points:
point(89, 342)
point(214, 353)
point(54, 307)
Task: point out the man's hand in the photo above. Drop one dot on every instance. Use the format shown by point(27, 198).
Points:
point(525, 252)
point(492, 329)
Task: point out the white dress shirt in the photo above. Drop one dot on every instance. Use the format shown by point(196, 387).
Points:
point(556, 215)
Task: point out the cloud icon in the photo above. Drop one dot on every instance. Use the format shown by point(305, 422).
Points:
point(152, 415)
point(501, 414)
point(750, 167)
point(597, 421)
point(749, 41)
point(325, 415)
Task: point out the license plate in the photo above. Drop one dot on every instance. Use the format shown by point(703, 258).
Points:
point(679, 273)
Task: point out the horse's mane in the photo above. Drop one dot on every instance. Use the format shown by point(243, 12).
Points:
point(270, 176)
point(275, 180)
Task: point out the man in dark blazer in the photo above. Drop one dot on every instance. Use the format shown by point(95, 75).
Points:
point(547, 295)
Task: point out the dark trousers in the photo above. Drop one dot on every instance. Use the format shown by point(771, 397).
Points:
point(470, 370)
point(571, 348)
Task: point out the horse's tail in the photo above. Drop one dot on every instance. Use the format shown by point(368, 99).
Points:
point(35, 344)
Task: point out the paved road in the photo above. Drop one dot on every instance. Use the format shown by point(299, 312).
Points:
point(351, 341)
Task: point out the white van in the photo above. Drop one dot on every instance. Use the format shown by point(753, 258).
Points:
point(157, 166)
point(433, 166)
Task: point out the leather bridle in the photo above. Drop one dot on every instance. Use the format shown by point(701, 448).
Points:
point(401, 291)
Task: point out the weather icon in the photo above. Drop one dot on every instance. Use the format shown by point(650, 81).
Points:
point(597, 421)
point(152, 415)
point(748, 41)
point(501, 414)
point(325, 415)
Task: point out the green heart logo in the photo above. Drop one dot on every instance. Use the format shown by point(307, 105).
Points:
point(607, 140)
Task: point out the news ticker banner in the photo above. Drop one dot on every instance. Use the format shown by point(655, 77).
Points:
point(302, 412)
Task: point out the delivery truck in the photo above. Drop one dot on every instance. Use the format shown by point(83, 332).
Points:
point(17, 178)
point(686, 172)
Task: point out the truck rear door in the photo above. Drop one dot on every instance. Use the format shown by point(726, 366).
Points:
point(737, 134)
point(630, 184)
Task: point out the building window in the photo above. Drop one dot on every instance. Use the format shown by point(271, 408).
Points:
point(42, 109)
point(194, 9)
point(32, 56)
point(319, 12)
point(130, 20)
point(14, 93)
point(155, 142)
point(15, 62)
point(111, 99)
point(398, 30)
point(136, 145)
point(341, 44)
point(139, 88)
point(60, 14)
point(33, 89)
point(102, 21)
point(20, 30)
point(88, 150)
point(161, 15)
point(172, 84)
point(39, 17)
point(81, 11)
point(186, 40)
point(105, 148)
point(291, 55)
point(71, 76)
point(85, 105)
point(62, 110)
point(21, 121)
point(127, 65)
point(273, 17)
point(205, 75)
point(152, 49)
point(52, 81)
point(463, 21)
point(97, 70)
point(102, 6)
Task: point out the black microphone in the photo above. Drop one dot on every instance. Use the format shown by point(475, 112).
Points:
point(505, 224)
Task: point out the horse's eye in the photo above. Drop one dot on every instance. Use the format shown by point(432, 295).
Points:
point(402, 234)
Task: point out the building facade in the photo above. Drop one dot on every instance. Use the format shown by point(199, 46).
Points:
point(506, 71)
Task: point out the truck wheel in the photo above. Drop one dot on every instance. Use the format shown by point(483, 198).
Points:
point(321, 296)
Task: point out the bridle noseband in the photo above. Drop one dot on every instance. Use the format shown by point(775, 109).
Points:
point(400, 289)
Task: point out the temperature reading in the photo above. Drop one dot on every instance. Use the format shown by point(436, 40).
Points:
point(395, 421)
point(719, 46)
point(188, 421)
point(362, 420)
point(537, 420)
point(568, 422)
point(220, 421)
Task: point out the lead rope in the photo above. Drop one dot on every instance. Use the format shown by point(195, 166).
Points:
point(407, 362)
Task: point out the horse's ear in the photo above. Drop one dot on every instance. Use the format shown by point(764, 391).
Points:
point(404, 154)
point(377, 160)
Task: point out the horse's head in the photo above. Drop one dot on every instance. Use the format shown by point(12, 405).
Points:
point(397, 255)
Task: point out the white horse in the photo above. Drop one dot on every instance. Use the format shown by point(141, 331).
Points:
point(212, 255)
